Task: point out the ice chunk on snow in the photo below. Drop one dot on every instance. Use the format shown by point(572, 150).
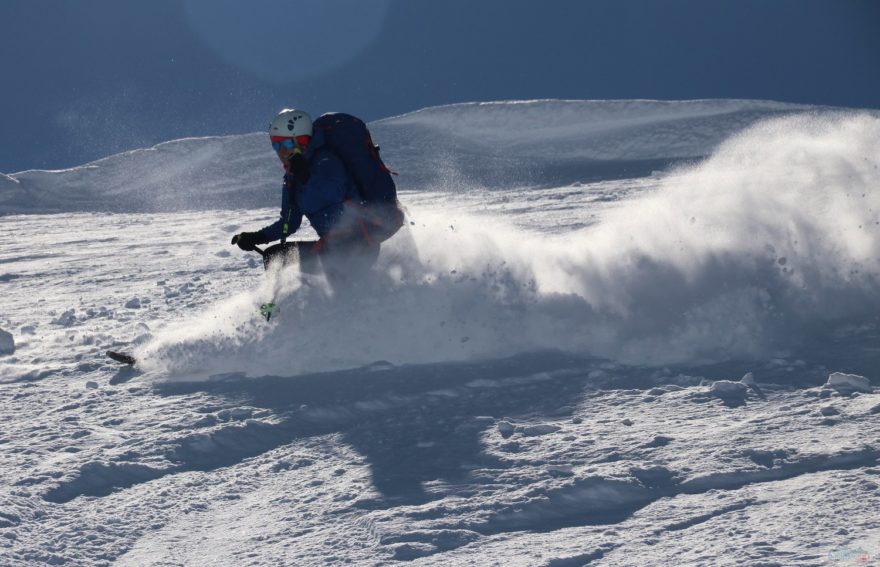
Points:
point(848, 382)
point(66, 319)
point(727, 388)
point(7, 344)
point(732, 394)
point(505, 428)
point(133, 303)
point(536, 430)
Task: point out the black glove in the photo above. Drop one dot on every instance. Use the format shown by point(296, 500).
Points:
point(298, 167)
point(248, 241)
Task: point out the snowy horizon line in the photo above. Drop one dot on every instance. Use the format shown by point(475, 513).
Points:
point(10, 176)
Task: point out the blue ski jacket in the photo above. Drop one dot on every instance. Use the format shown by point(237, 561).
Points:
point(321, 200)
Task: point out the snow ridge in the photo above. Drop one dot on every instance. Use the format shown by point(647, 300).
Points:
point(441, 148)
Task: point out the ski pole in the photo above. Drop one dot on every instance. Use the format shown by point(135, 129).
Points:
point(266, 309)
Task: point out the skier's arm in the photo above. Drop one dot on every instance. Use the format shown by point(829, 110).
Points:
point(324, 195)
point(327, 179)
point(289, 221)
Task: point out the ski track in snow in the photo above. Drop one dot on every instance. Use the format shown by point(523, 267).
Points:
point(460, 435)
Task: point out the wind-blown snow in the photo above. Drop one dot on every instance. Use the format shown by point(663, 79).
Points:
point(769, 245)
point(445, 148)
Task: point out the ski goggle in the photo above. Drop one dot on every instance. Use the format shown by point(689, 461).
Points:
point(288, 143)
point(279, 142)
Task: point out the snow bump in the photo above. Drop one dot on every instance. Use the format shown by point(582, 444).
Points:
point(848, 383)
point(7, 343)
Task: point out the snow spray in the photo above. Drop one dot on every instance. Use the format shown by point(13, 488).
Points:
point(763, 247)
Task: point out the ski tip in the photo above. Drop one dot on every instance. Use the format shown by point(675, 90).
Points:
point(121, 357)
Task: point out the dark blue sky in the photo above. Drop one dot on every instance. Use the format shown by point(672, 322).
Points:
point(87, 78)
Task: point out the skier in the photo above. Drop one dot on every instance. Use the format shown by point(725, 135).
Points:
point(335, 178)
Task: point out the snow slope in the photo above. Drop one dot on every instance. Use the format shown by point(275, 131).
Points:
point(485, 144)
point(623, 354)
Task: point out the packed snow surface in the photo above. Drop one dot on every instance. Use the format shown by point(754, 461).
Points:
point(611, 332)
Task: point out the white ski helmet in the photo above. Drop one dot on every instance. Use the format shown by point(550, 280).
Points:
point(291, 123)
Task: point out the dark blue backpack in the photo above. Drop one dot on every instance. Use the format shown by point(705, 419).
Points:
point(348, 137)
